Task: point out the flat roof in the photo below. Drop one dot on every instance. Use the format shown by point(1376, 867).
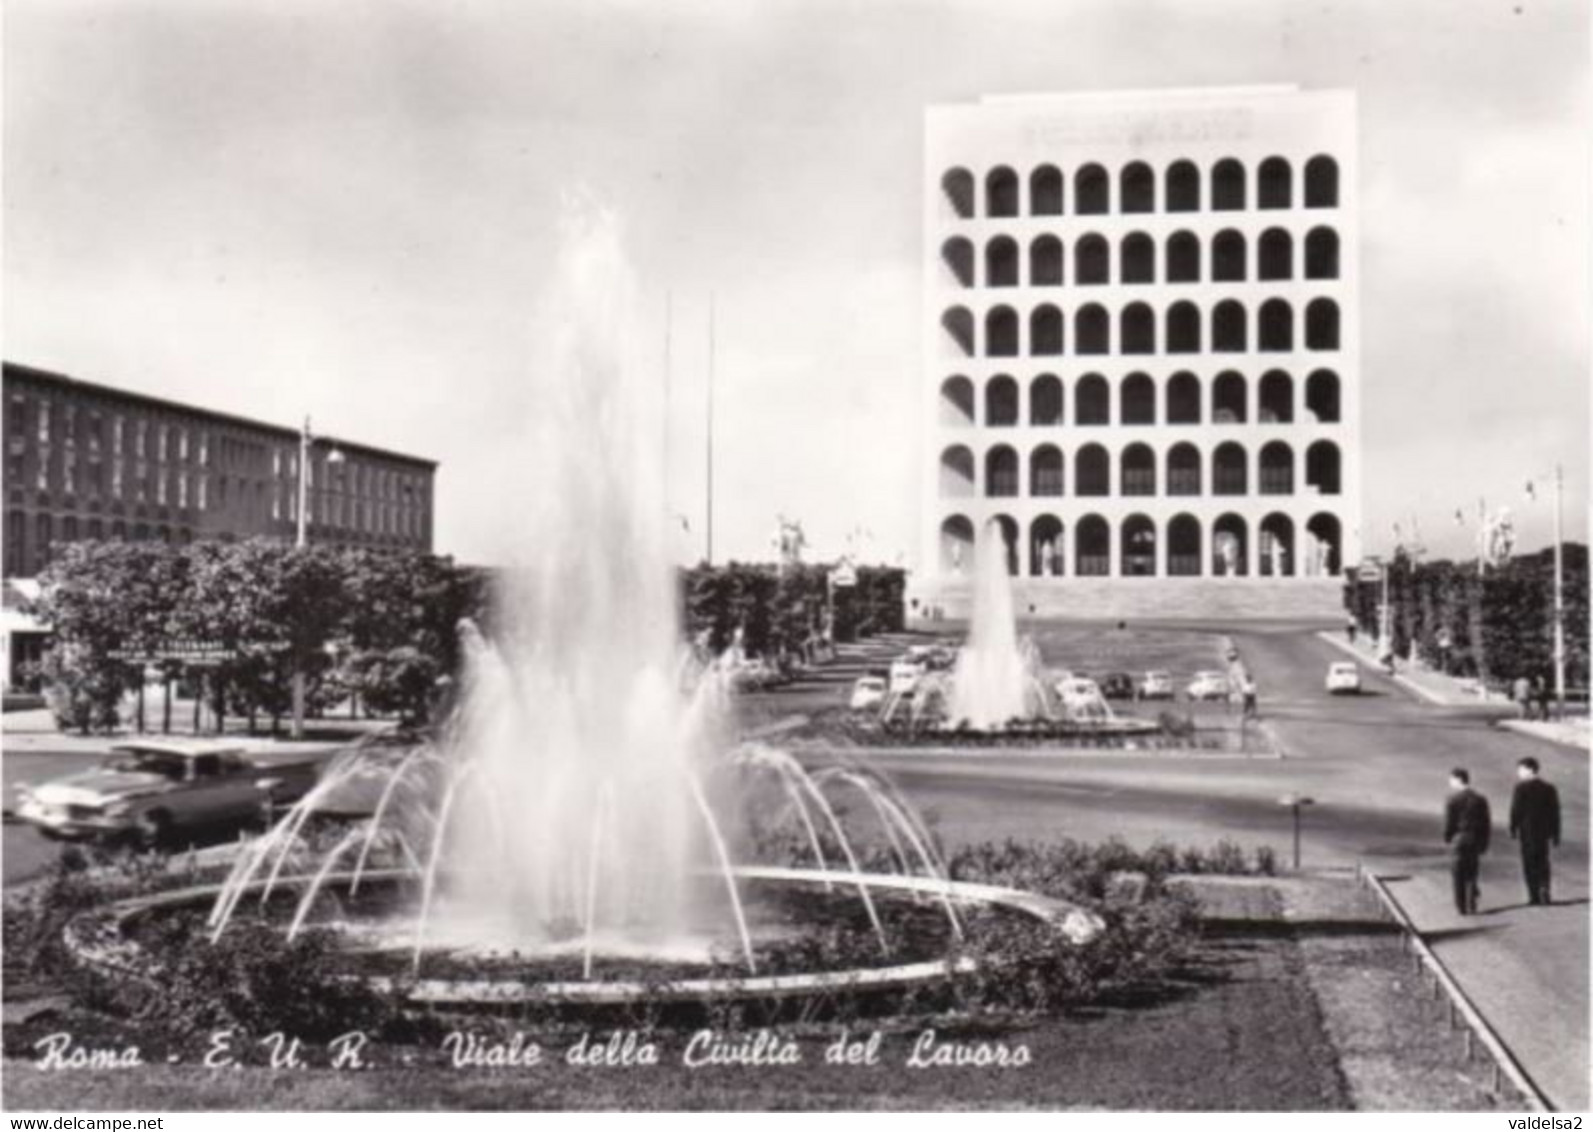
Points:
point(90, 388)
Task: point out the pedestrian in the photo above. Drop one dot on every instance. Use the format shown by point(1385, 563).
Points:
point(1535, 823)
point(1247, 688)
point(1521, 693)
point(1349, 630)
point(1467, 824)
point(1544, 697)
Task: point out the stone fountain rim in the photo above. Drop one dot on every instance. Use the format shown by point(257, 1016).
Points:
point(1074, 923)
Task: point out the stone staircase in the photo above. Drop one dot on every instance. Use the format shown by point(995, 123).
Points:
point(1158, 599)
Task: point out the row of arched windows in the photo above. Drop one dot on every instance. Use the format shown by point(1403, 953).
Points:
point(1183, 259)
point(1181, 402)
point(1181, 190)
point(1189, 552)
point(1183, 471)
point(1182, 329)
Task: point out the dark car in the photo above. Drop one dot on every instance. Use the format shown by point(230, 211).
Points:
point(1117, 686)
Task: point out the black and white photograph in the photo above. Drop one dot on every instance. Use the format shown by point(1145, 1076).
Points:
point(820, 555)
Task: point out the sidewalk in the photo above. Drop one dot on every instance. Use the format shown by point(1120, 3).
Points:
point(1524, 968)
point(1422, 682)
point(35, 731)
point(1573, 732)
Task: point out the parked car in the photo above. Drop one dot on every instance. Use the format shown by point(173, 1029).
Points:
point(1155, 685)
point(868, 692)
point(1343, 676)
point(904, 676)
point(1081, 698)
point(147, 791)
point(1117, 686)
point(1208, 685)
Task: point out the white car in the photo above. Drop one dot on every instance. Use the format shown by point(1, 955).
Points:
point(1155, 685)
point(1343, 676)
point(868, 692)
point(1209, 685)
point(904, 676)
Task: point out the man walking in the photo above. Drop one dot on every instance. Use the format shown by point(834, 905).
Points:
point(1535, 823)
point(1467, 824)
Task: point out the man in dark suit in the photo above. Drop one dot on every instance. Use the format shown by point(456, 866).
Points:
point(1467, 824)
point(1535, 822)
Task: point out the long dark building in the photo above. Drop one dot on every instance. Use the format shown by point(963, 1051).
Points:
point(89, 461)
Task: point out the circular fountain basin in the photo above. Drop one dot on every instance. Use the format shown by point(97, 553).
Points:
point(102, 940)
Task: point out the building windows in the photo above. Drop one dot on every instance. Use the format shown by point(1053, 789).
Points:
point(1138, 400)
point(44, 421)
point(1001, 192)
point(1001, 262)
point(1137, 472)
point(1137, 188)
point(1001, 471)
point(1183, 399)
point(1045, 262)
point(1093, 328)
point(163, 438)
point(1138, 333)
point(1322, 396)
point(1046, 556)
point(1277, 546)
point(1045, 400)
point(1045, 191)
point(1137, 260)
point(1275, 255)
point(1227, 186)
point(117, 487)
point(160, 486)
point(1045, 331)
point(1276, 396)
point(1092, 547)
point(1092, 260)
point(1228, 257)
point(201, 491)
point(1228, 327)
point(182, 489)
point(1230, 547)
point(1183, 546)
point(1276, 325)
point(958, 255)
point(958, 187)
point(1183, 187)
point(1092, 472)
point(182, 444)
point(204, 449)
point(957, 402)
point(1322, 468)
point(1001, 332)
point(1183, 470)
point(140, 438)
point(1322, 254)
point(1183, 258)
point(1092, 191)
point(1321, 182)
point(69, 471)
point(1277, 469)
point(956, 544)
point(16, 541)
point(1322, 325)
point(1274, 184)
point(1045, 471)
point(1139, 547)
point(1001, 401)
point(1183, 329)
point(1228, 399)
point(956, 474)
point(1228, 472)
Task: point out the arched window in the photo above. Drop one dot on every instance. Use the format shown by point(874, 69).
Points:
point(1001, 471)
point(1183, 469)
point(1047, 556)
point(1183, 187)
point(1277, 469)
point(1045, 400)
point(1228, 399)
point(1183, 329)
point(1274, 184)
point(1183, 546)
point(958, 185)
point(1322, 396)
point(1001, 332)
point(1137, 260)
point(1277, 397)
point(1183, 399)
point(1230, 547)
point(1092, 260)
point(1228, 473)
point(1001, 262)
point(1276, 325)
point(1045, 330)
point(1183, 258)
point(1138, 334)
point(1322, 254)
point(958, 322)
point(957, 402)
point(1323, 544)
point(1001, 192)
point(1092, 328)
point(1045, 470)
point(1001, 402)
point(1093, 547)
point(958, 256)
point(1045, 262)
point(1277, 546)
point(1092, 471)
point(1275, 255)
point(956, 471)
point(1045, 191)
point(1137, 470)
point(1322, 468)
point(1139, 547)
point(1229, 334)
point(1322, 325)
point(1227, 186)
point(1092, 191)
point(1138, 188)
point(1138, 400)
point(1092, 401)
point(956, 544)
point(1321, 182)
point(1228, 257)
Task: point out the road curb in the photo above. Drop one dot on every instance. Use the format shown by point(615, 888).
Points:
point(1410, 686)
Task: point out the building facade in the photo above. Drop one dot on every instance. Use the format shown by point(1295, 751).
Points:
point(87, 461)
point(1141, 345)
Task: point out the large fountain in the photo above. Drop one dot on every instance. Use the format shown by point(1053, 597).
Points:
point(584, 811)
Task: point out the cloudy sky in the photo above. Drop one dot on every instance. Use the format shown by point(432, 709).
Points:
point(350, 210)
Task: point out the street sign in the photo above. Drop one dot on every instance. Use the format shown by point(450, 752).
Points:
point(1369, 572)
point(185, 652)
point(843, 576)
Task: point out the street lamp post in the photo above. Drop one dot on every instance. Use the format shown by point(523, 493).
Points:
point(1296, 802)
point(300, 541)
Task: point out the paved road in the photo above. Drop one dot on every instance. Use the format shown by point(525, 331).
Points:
point(1377, 765)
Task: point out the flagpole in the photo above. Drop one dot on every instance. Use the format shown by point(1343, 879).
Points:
point(1559, 595)
point(709, 454)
